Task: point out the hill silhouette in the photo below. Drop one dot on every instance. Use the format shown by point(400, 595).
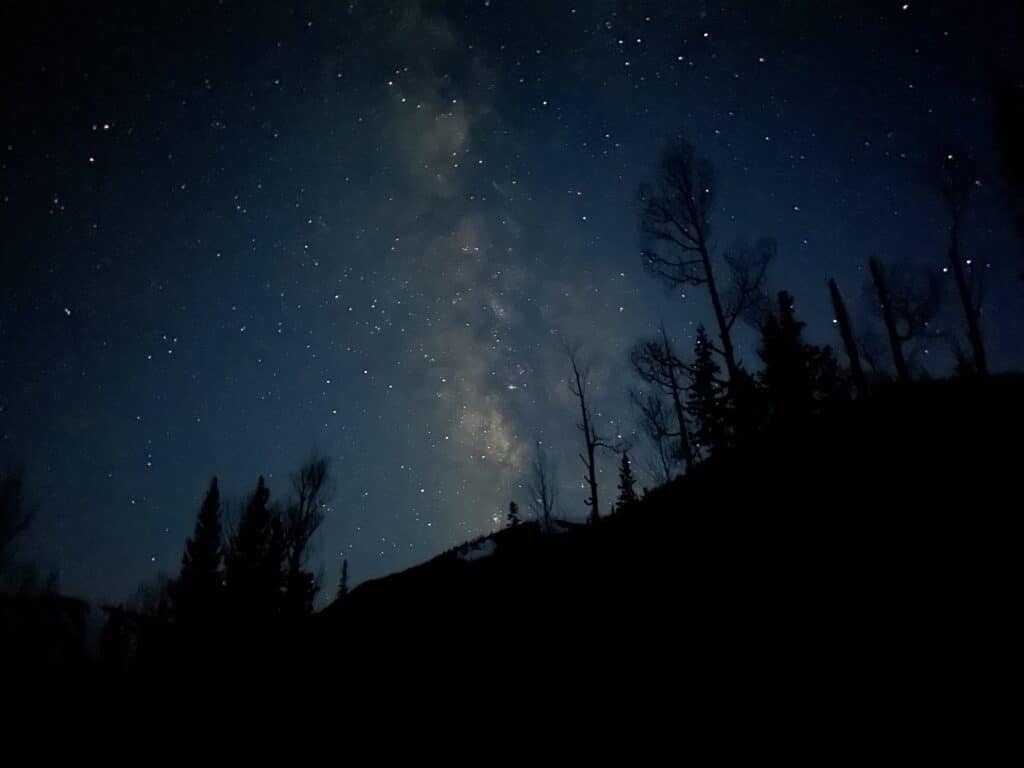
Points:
point(849, 580)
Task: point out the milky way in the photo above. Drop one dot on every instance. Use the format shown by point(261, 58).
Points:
point(233, 236)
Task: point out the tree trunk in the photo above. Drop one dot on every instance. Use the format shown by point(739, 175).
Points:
point(590, 441)
point(902, 373)
point(686, 452)
point(970, 313)
point(846, 333)
point(591, 464)
point(723, 327)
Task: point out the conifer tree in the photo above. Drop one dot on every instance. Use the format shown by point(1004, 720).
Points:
point(253, 574)
point(797, 377)
point(706, 401)
point(196, 594)
point(627, 492)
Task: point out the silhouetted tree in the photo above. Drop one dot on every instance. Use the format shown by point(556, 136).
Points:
point(849, 341)
point(302, 519)
point(908, 300)
point(627, 493)
point(675, 222)
point(657, 365)
point(513, 514)
point(797, 376)
point(706, 402)
point(253, 563)
point(196, 594)
point(543, 488)
point(1008, 124)
point(954, 182)
point(591, 439)
point(746, 296)
point(654, 419)
point(152, 597)
point(343, 580)
point(15, 514)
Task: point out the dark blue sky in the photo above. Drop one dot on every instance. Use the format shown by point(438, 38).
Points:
point(231, 235)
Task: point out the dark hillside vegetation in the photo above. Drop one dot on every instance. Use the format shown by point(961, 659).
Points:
point(851, 578)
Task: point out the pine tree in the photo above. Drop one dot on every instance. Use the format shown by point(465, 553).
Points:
point(797, 377)
point(343, 581)
point(253, 573)
point(627, 494)
point(706, 402)
point(513, 514)
point(196, 594)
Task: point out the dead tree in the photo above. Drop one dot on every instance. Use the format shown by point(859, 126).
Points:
point(746, 297)
point(889, 318)
point(302, 519)
point(954, 183)
point(654, 423)
point(543, 488)
point(657, 365)
point(591, 439)
point(675, 222)
point(305, 514)
point(908, 299)
point(849, 342)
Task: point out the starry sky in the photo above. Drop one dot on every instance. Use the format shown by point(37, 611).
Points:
point(235, 233)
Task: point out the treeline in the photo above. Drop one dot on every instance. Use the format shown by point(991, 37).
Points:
point(694, 406)
point(240, 583)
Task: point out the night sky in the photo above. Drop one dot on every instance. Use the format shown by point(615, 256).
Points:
point(235, 234)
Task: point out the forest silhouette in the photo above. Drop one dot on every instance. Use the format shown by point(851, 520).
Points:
point(825, 548)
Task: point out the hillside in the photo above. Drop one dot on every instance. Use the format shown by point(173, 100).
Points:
point(846, 585)
point(851, 579)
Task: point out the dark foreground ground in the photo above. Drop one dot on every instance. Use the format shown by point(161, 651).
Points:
point(848, 588)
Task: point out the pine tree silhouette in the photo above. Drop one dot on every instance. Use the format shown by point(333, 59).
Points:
point(706, 401)
point(627, 492)
point(196, 594)
point(797, 376)
point(253, 574)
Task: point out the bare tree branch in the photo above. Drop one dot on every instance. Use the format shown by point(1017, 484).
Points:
point(591, 439)
point(542, 488)
point(747, 295)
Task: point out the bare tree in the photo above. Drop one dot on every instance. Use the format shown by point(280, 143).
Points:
point(675, 222)
point(15, 513)
point(1008, 128)
point(746, 297)
point(592, 440)
point(304, 515)
point(653, 420)
point(908, 300)
point(871, 347)
point(656, 364)
point(302, 518)
point(954, 181)
point(543, 488)
point(842, 319)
